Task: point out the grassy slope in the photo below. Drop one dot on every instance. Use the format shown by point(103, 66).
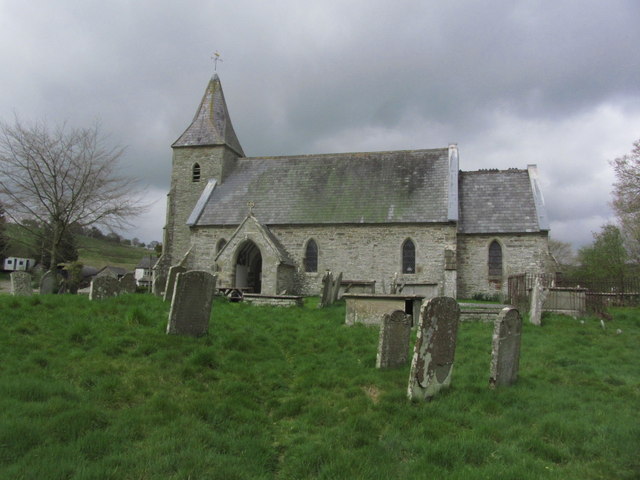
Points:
point(98, 391)
point(99, 253)
point(94, 252)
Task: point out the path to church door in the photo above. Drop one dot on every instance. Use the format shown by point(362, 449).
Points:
point(249, 267)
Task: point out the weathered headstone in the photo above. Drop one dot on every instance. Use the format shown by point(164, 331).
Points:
point(327, 282)
point(435, 347)
point(104, 287)
point(191, 303)
point(505, 352)
point(393, 345)
point(335, 288)
point(171, 281)
point(128, 283)
point(21, 284)
point(538, 295)
point(49, 283)
point(159, 282)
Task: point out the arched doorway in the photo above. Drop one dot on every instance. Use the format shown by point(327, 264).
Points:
point(248, 267)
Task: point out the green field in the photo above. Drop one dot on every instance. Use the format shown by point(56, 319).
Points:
point(100, 253)
point(97, 390)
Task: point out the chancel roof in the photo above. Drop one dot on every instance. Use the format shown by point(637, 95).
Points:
point(379, 187)
point(499, 201)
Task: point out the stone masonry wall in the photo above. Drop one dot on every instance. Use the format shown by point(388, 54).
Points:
point(527, 252)
point(215, 162)
point(361, 252)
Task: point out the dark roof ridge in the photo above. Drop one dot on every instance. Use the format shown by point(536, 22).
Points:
point(346, 154)
point(494, 170)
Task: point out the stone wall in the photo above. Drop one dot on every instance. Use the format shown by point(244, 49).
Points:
point(364, 252)
point(215, 162)
point(520, 253)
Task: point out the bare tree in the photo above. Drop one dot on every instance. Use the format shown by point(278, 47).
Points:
point(626, 197)
point(54, 178)
point(562, 252)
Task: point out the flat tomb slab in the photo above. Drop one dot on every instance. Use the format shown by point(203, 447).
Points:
point(369, 309)
point(273, 300)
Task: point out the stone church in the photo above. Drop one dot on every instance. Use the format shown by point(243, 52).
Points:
point(277, 224)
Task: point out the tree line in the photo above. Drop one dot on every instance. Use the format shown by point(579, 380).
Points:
point(614, 255)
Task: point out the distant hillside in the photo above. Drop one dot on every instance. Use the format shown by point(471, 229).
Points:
point(94, 252)
point(98, 253)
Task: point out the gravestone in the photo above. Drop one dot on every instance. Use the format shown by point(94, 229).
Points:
point(128, 283)
point(49, 283)
point(330, 289)
point(171, 281)
point(435, 347)
point(327, 282)
point(538, 295)
point(335, 288)
point(104, 287)
point(21, 284)
point(393, 344)
point(505, 351)
point(191, 303)
point(159, 282)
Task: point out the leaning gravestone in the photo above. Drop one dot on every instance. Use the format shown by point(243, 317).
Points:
point(104, 287)
point(128, 283)
point(49, 283)
point(393, 345)
point(191, 303)
point(335, 288)
point(505, 352)
point(435, 348)
point(327, 283)
point(171, 281)
point(21, 284)
point(159, 282)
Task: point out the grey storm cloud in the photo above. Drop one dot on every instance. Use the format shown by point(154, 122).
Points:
point(512, 83)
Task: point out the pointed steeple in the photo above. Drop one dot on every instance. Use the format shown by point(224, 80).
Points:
point(211, 124)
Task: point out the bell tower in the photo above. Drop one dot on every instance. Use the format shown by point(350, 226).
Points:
point(208, 149)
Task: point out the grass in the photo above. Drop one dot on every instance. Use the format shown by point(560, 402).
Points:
point(100, 253)
point(97, 390)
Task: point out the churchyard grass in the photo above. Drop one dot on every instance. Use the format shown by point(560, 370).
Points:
point(97, 390)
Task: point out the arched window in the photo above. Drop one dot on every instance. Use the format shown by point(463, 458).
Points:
point(495, 259)
point(311, 256)
point(195, 172)
point(408, 257)
point(220, 245)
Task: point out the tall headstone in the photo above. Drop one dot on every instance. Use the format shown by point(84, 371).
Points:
point(128, 283)
point(335, 288)
point(538, 295)
point(191, 303)
point(104, 287)
point(393, 345)
point(505, 352)
point(21, 284)
point(435, 348)
point(327, 283)
point(159, 282)
point(171, 281)
point(49, 283)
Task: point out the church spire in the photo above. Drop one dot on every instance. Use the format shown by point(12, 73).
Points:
point(211, 124)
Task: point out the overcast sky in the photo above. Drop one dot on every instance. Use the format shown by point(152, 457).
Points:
point(512, 83)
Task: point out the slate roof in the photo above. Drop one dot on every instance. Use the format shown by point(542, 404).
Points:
point(211, 124)
point(497, 201)
point(379, 187)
